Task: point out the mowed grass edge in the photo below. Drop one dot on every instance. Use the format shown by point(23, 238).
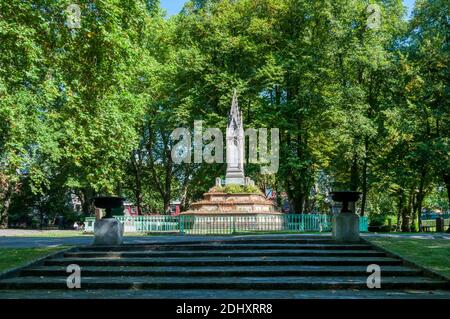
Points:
point(11, 258)
point(433, 254)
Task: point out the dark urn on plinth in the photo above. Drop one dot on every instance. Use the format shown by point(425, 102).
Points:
point(108, 230)
point(108, 203)
point(345, 197)
point(346, 223)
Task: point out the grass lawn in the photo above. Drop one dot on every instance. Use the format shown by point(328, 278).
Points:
point(15, 257)
point(41, 233)
point(433, 254)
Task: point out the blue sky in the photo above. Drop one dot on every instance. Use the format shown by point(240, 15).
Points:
point(174, 6)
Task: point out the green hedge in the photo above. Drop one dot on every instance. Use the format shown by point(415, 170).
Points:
point(236, 189)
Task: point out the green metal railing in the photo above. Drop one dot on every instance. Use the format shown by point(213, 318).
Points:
point(429, 225)
point(363, 224)
point(199, 225)
point(205, 225)
point(160, 223)
point(89, 224)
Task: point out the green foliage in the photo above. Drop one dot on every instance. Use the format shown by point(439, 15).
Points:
point(238, 189)
point(90, 110)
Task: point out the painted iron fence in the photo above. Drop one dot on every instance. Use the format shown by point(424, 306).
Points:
point(154, 223)
point(205, 225)
point(137, 224)
point(200, 225)
point(429, 225)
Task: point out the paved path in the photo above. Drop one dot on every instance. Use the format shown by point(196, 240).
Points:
point(410, 236)
point(24, 242)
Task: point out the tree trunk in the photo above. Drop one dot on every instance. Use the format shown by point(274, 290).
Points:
point(86, 196)
point(187, 169)
point(364, 177)
point(41, 218)
point(405, 220)
point(168, 180)
point(137, 166)
point(417, 208)
point(446, 177)
point(7, 195)
point(400, 210)
point(295, 198)
point(354, 173)
point(5, 210)
point(399, 218)
point(406, 215)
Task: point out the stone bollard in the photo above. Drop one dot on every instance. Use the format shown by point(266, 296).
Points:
point(346, 227)
point(346, 222)
point(108, 232)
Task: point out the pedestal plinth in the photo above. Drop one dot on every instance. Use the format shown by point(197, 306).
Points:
point(346, 223)
point(223, 212)
point(108, 231)
point(346, 227)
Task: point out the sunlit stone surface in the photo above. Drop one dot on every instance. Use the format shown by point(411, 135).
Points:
point(108, 231)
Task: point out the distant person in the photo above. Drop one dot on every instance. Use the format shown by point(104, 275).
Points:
point(75, 226)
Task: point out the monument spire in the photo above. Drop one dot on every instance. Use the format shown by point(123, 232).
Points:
point(235, 117)
point(235, 145)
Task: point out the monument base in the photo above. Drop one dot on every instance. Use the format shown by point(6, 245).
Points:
point(108, 231)
point(235, 177)
point(228, 223)
point(234, 181)
point(346, 227)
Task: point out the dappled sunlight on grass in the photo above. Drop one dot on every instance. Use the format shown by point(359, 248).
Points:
point(433, 254)
point(15, 257)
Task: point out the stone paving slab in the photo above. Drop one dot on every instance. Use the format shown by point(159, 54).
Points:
point(218, 261)
point(225, 246)
point(219, 253)
point(254, 271)
point(222, 294)
point(285, 282)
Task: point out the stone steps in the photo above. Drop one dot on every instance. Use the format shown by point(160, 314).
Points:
point(219, 253)
point(221, 294)
point(224, 246)
point(263, 267)
point(222, 261)
point(255, 283)
point(224, 271)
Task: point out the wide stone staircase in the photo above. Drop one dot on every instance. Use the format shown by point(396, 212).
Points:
point(246, 267)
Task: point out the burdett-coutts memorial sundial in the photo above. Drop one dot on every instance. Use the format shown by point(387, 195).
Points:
point(245, 203)
point(235, 145)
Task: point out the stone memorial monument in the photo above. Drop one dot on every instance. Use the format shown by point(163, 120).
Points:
point(248, 206)
point(235, 145)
